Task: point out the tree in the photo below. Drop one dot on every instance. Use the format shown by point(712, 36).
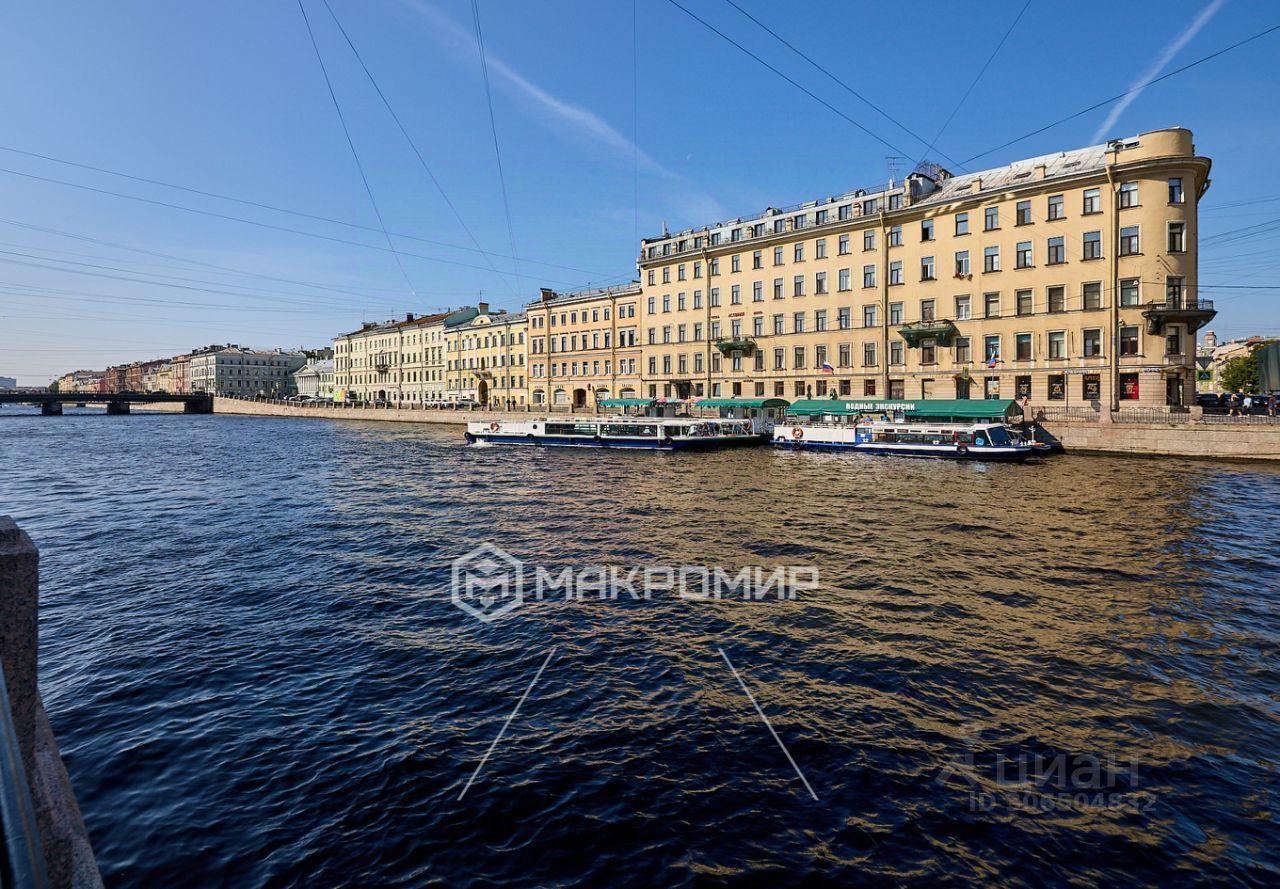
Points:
point(1240, 374)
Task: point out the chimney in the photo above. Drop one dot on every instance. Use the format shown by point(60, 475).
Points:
point(1041, 171)
point(547, 293)
point(482, 308)
point(408, 316)
point(977, 185)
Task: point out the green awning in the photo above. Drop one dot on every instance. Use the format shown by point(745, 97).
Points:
point(743, 402)
point(961, 409)
point(626, 402)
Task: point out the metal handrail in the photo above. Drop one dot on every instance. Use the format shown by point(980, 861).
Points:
point(22, 857)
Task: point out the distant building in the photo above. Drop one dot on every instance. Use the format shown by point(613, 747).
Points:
point(78, 381)
point(233, 370)
point(485, 360)
point(315, 379)
point(1213, 355)
point(8, 383)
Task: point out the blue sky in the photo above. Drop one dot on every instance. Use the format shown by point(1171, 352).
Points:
point(228, 98)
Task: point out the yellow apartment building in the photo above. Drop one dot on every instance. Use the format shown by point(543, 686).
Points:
point(1067, 279)
point(397, 361)
point(485, 360)
point(584, 347)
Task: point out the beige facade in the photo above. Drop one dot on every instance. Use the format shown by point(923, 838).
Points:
point(1068, 278)
point(397, 361)
point(486, 360)
point(584, 347)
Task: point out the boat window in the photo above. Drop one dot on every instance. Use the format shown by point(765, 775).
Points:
point(998, 435)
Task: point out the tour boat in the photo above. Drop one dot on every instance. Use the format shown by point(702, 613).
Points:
point(618, 431)
point(955, 441)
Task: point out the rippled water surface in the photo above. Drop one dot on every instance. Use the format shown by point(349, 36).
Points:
point(253, 666)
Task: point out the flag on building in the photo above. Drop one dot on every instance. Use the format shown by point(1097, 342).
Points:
point(827, 368)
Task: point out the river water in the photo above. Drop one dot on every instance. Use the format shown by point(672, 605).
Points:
point(1044, 674)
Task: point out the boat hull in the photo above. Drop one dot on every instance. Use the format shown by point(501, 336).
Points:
point(563, 441)
point(940, 452)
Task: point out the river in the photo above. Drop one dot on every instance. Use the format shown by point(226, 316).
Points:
point(1059, 672)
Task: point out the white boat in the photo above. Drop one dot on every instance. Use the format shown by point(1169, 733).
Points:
point(617, 431)
point(955, 441)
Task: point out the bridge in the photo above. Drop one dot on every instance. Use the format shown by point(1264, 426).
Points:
point(51, 403)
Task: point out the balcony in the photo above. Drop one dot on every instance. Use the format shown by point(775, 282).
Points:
point(916, 331)
point(1195, 313)
point(729, 344)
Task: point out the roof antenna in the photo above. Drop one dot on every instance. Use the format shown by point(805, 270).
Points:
point(893, 161)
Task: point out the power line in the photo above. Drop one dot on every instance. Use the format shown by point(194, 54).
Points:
point(354, 154)
point(712, 28)
point(275, 209)
point(413, 145)
point(946, 123)
point(493, 127)
point(1116, 98)
point(899, 124)
point(225, 216)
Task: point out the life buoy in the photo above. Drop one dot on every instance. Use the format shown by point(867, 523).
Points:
point(667, 441)
point(494, 427)
point(797, 433)
point(962, 449)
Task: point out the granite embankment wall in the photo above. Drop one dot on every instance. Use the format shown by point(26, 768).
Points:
point(1234, 441)
point(381, 414)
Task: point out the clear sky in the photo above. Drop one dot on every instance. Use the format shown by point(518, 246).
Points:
point(228, 98)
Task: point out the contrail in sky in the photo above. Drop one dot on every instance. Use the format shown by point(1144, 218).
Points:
point(1165, 57)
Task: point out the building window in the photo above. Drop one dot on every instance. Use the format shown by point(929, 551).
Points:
point(869, 388)
point(962, 223)
point(926, 268)
point(843, 280)
point(1129, 340)
point(1128, 387)
point(991, 259)
point(869, 318)
point(1057, 208)
point(991, 305)
point(1092, 201)
point(1023, 256)
point(991, 219)
point(820, 283)
point(868, 276)
point(820, 248)
point(895, 236)
point(797, 286)
point(928, 350)
point(962, 350)
point(1022, 387)
point(844, 244)
point(1092, 342)
point(797, 253)
point(1128, 194)
point(926, 230)
point(963, 308)
point(1177, 237)
point(1092, 294)
point(1057, 251)
point(1057, 344)
point(991, 348)
point(895, 352)
point(1173, 342)
point(845, 355)
point(895, 272)
point(798, 322)
point(1175, 190)
point(777, 256)
point(777, 289)
point(757, 259)
point(897, 390)
point(735, 295)
point(991, 388)
point(1093, 245)
point(895, 314)
point(1022, 347)
point(798, 358)
point(1057, 387)
point(820, 319)
point(962, 263)
point(1129, 292)
point(1173, 287)
point(869, 239)
point(1129, 244)
point(779, 359)
point(1057, 299)
point(926, 310)
point(869, 355)
point(757, 292)
point(1023, 215)
point(735, 263)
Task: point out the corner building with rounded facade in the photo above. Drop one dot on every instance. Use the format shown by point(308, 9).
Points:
point(1069, 279)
